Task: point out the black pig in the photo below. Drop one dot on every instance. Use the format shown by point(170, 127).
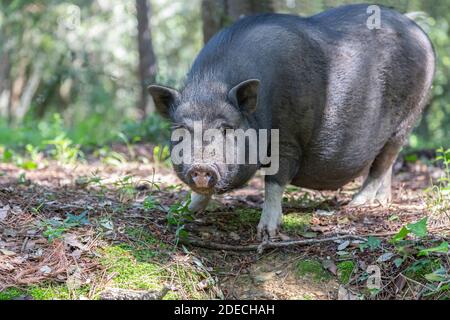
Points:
point(344, 97)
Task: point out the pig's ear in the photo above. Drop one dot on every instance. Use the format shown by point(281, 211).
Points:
point(164, 98)
point(245, 95)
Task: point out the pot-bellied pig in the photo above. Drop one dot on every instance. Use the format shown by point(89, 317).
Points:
point(344, 96)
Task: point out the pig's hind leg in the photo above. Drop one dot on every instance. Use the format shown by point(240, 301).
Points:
point(377, 187)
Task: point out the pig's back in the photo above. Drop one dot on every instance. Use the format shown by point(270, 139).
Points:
point(337, 90)
point(377, 87)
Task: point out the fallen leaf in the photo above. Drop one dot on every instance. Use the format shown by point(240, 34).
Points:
point(330, 266)
point(7, 253)
point(400, 283)
point(309, 235)
point(344, 294)
point(76, 254)
point(10, 233)
point(320, 229)
point(4, 212)
point(386, 257)
point(343, 245)
point(71, 240)
point(343, 221)
point(234, 236)
point(45, 269)
point(74, 281)
point(202, 285)
point(325, 213)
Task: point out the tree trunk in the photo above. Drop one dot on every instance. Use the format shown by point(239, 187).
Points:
point(16, 88)
point(147, 58)
point(28, 92)
point(217, 14)
point(5, 70)
point(213, 17)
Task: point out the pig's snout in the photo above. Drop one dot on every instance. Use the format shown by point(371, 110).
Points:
point(203, 177)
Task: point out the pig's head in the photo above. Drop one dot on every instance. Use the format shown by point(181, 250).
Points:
point(218, 110)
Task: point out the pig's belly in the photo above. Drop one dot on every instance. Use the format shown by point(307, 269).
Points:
point(322, 174)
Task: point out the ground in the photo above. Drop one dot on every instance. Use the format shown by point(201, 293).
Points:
point(73, 231)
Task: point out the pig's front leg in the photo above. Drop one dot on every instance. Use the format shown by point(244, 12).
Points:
point(199, 202)
point(270, 222)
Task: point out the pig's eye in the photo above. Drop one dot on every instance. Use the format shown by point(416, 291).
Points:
point(224, 127)
point(176, 126)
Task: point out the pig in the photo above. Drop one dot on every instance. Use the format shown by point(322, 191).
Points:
point(344, 97)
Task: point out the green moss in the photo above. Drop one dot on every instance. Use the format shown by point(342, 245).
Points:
point(49, 292)
point(11, 293)
point(130, 273)
point(145, 246)
point(45, 291)
point(297, 223)
point(306, 200)
point(345, 271)
point(246, 217)
point(145, 263)
point(152, 274)
point(313, 269)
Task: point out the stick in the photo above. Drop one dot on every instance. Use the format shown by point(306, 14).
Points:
point(264, 245)
point(122, 294)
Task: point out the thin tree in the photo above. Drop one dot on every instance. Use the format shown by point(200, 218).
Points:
point(217, 14)
point(147, 58)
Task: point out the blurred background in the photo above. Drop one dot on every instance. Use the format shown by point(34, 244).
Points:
point(73, 74)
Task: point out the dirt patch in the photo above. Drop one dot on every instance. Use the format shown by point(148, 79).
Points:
point(70, 232)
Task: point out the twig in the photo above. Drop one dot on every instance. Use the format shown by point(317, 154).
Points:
point(265, 245)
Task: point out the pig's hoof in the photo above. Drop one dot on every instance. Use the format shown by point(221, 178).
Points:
point(383, 198)
point(268, 233)
point(361, 200)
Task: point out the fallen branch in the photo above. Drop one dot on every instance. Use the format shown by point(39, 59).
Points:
point(264, 245)
point(123, 294)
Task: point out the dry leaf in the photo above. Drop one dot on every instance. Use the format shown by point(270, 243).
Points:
point(344, 294)
point(7, 253)
point(4, 212)
point(343, 245)
point(330, 266)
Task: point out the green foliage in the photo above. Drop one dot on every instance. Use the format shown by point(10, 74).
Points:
point(149, 203)
point(154, 128)
point(419, 229)
point(177, 215)
point(372, 244)
point(426, 266)
point(86, 67)
point(55, 228)
point(438, 196)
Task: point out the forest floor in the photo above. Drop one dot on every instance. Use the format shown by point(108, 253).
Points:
point(74, 231)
